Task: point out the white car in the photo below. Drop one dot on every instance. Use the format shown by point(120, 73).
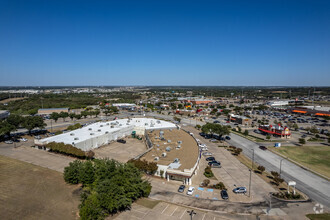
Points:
point(23, 139)
point(207, 154)
point(190, 191)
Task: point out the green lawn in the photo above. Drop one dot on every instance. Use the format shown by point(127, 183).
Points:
point(323, 216)
point(316, 158)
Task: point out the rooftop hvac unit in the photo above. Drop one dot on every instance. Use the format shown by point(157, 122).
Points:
point(91, 133)
point(101, 126)
point(161, 134)
point(107, 132)
point(158, 122)
point(112, 126)
point(120, 124)
point(157, 158)
point(151, 125)
point(89, 129)
point(176, 160)
point(107, 123)
point(71, 134)
point(170, 129)
point(127, 123)
point(169, 141)
point(76, 138)
point(178, 147)
point(72, 143)
point(168, 149)
point(164, 154)
point(99, 130)
point(179, 142)
point(146, 124)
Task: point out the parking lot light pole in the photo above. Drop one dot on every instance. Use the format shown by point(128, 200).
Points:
point(251, 172)
point(191, 213)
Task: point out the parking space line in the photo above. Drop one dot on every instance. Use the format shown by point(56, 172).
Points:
point(183, 213)
point(165, 208)
point(174, 210)
point(203, 216)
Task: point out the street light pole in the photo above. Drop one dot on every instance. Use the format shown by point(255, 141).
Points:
point(251, 173)
point(191, 213)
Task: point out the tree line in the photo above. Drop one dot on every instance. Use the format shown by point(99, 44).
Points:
point(108, 186)
point(13, 122)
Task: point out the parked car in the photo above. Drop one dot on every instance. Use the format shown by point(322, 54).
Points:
point(224, 194)
point(215, 164)
point(181, 188)
point(227, 137)
point(9, 142)
point(190, 190)
point(239, 190)
point(37, 137)
point(121, 141)
point(210, 159)
point(23, 139)
point(263, 147)
point(207, 154)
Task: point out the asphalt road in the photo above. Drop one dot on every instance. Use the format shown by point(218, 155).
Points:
point(317, 188)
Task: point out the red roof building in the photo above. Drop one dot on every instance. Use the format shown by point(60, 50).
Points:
point(276, 130)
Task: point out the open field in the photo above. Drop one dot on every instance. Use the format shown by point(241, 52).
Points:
point(316, 158)
point(28, 191)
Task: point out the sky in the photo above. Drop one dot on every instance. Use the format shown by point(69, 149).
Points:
point(197, 43)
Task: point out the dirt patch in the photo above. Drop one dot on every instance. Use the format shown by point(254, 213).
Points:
point(28, 191)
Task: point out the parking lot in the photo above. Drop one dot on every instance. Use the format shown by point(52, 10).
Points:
point(164, 211)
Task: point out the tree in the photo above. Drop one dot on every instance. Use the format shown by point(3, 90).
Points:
point(215, 129)
point(91, 209)
point(72, 116)
point(295, 126)
point(33, 111)
point(206, 182)
point(275, 174)
point(268, 137)
point(64, 115)
point(15, 120)
point(32, 122)
point(314, 130)
point(86, 173)
point(6, 128)
point(246, 132)
point(302, 141)
point(96, 113)
point(71, 172)
point(261, 169)
point(55, 116)
point(180, 106)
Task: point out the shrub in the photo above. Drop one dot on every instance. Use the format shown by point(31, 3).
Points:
point(302, 141)
point(219, 185)
point(275, 174)
point(261, 169)
point(278, 180)
point(66, 149)
point(149, 168)
point(206, 182)
point(267, 136)
point(208, 172)
point(246, 132)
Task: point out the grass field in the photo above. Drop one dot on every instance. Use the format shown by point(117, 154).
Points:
point(316, 158)
point(32, 192)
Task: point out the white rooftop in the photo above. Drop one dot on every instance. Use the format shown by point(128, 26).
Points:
point(100, 128)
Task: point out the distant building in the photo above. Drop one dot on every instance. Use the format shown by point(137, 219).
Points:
point(4, 114)
point(276, 130)
point(127, 106)
point(242, 120)
point(311, 110)
point(48, 111)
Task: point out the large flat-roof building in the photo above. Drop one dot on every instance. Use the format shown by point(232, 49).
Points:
point(102, 133)
point(176, 154)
